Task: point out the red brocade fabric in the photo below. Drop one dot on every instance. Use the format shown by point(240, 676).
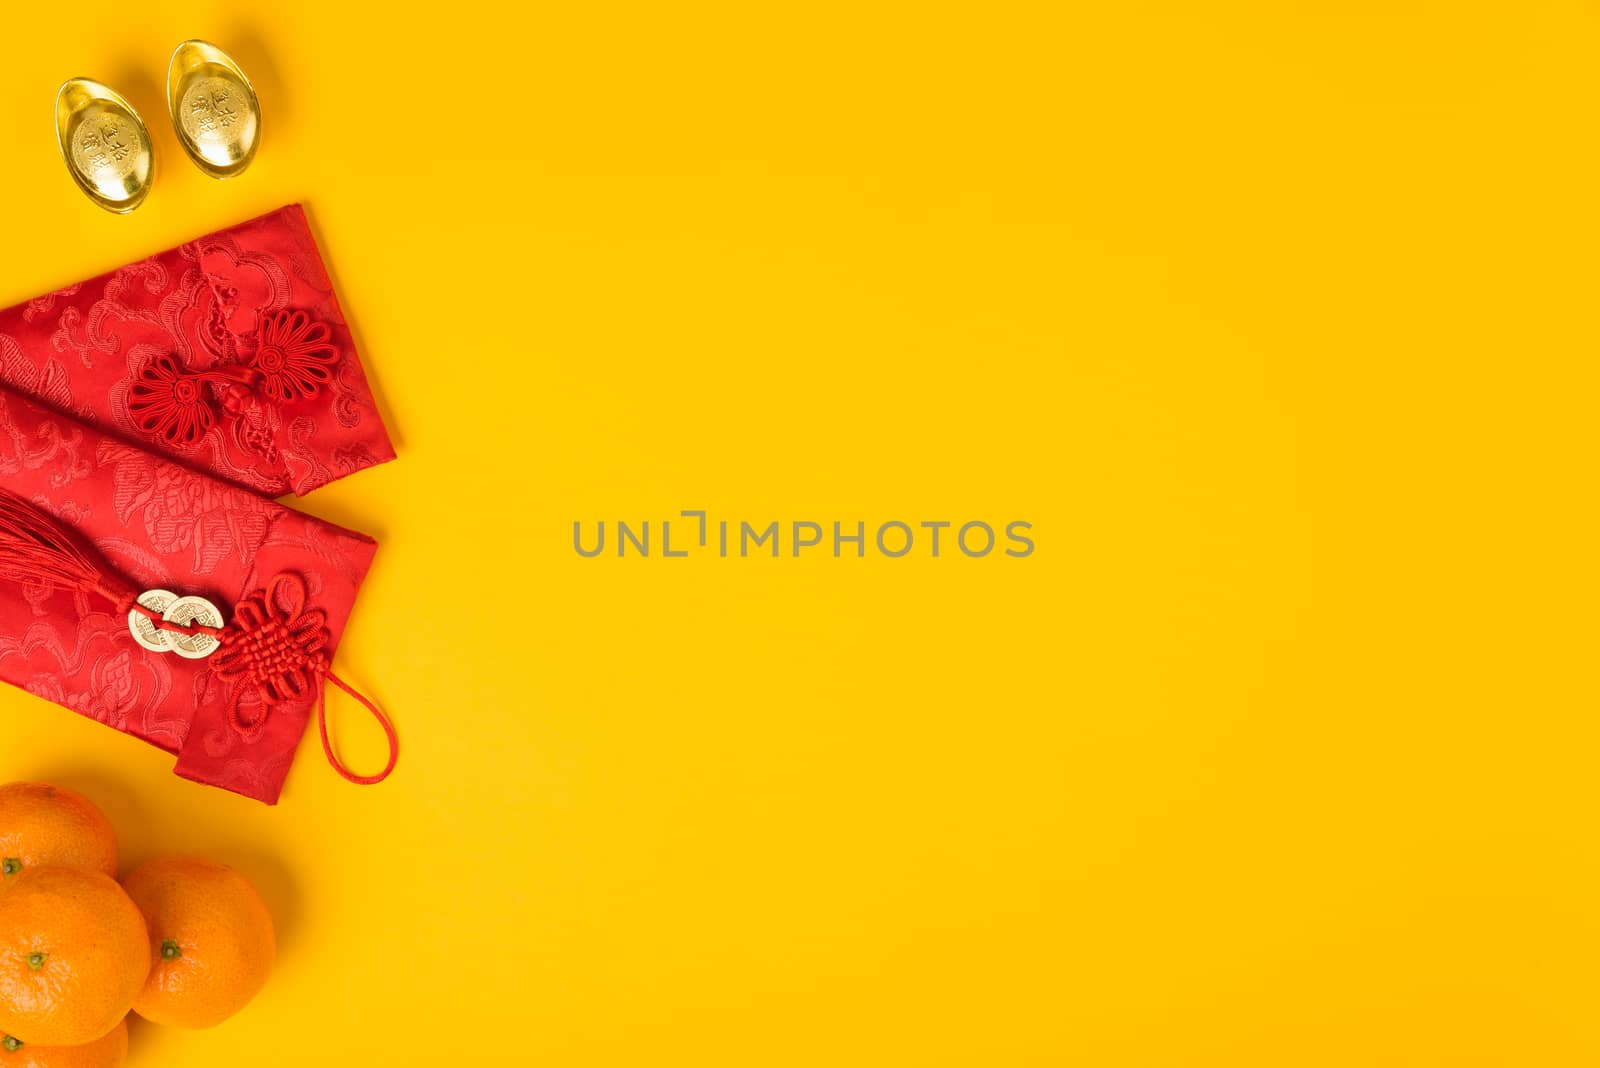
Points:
point(228, 354)
point(162, 525)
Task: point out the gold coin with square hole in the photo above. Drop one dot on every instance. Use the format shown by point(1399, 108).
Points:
point(193, 610)
point(143, 628)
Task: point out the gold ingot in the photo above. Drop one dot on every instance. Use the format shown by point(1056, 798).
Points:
point(214, 109)
point(105, 145)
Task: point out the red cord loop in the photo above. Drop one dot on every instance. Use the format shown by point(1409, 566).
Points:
point(158, 621)
point(275, 648)
point(377, 714)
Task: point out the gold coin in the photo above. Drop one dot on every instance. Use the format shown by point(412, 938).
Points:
point(144, 629)
point(193, 610)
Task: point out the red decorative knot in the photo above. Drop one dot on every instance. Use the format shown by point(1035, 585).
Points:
point(294, 359)
point(294, 355)
point(235, 397)
point(171, 403)
point(274, 649)
point(274, 646)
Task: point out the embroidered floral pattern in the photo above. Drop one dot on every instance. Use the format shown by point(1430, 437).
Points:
point(94, 668)
point(170, 403)
point(182, 512)
point(247, 282)
point(294, 356)
point(47, 444)
point(255, 431)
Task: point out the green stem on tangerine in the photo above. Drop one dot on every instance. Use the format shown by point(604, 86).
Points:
point(36, 961)
point(11, 1044)
point(10, 865)
point(169, 949)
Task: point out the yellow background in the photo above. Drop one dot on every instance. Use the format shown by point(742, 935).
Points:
point(1276, 320)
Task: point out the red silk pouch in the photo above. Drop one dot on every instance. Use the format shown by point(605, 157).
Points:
point(286, 583)
point(228, 354)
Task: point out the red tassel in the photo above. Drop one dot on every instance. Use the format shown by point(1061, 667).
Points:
point(36, 548)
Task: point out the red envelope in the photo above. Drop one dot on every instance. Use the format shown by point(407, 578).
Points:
point(228, 354)
point(160, 525)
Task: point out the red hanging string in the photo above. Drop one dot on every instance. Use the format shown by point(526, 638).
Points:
point(161, 623)
point(377, 714)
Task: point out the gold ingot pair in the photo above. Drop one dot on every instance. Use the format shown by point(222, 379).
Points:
point(107, 147)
